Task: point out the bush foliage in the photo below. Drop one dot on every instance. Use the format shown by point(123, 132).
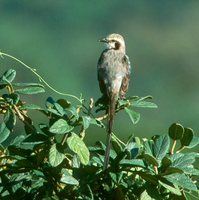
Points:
point(53, 162)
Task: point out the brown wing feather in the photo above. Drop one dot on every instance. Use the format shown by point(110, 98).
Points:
point(125, 81)
point(100, 70)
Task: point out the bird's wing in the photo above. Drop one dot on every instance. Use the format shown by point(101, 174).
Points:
point(125, 81)
point(100, 72)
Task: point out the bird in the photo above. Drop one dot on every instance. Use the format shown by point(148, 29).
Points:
point(113, 73)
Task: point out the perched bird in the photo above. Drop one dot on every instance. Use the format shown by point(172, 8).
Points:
point(113, 70)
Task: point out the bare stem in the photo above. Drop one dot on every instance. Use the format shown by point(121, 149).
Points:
point(156, 169)
point(39, 77)
point(102, 117)
point(64, 139)
point(173, 147)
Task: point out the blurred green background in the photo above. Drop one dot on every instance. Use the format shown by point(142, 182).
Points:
point(60, 40)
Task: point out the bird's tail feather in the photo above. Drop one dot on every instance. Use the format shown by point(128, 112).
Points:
point(111, 113)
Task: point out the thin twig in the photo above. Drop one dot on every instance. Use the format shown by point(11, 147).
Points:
point(173, 147)
point(40, 78)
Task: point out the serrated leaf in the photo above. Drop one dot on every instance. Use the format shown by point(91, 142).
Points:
point(181, 180)
point(187, 137)
point(134, 116)
point(161, 147)
point(176, 131)
point(31, 90)
point(181, 161)
point(60, 127)
point(174, 190)
point(78, 146)
point(191, 170)
point(55, 157)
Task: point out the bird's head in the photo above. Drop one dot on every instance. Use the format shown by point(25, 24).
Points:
point(114, 41)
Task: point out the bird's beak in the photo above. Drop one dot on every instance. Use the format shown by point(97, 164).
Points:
point(103, 40)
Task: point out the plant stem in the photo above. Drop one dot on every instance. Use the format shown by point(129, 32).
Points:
point(173, 147)
point(40, 78)
point(64, 139)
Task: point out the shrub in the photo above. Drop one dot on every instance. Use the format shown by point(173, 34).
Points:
point(53, 162)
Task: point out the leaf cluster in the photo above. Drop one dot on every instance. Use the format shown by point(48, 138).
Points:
point(52, 161)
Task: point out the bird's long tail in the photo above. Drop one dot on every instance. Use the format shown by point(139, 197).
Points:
point(111, 113)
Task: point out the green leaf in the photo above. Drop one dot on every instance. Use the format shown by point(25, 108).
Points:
point(176, 131)
point(9, 75)
point(72, 110)
point(7, 126)
point(148, 177)
point(145, 196)
point(68, 178)
point(11, 98)
point(78, 146)
point(187, 137)
point(63, 103)
point(17, 140)
point(166, 162)
point(31, 90)
point(28, 85)
point(134, 116)
point(4, 132)
point(161, 147)
point(191, 170)
point(30, 107)
point(173, 170)
point(59, 109)
point(148, 147)
point(194, 142)
point(174, 190)
point(35, 139)
point(181, 180)
point(96, 122)
point(132, 163)
point(144, 104)
point(55, 157)
point(86, 121)
point(150, 159)
point(60, 127)
point(181, 161)
point(116, 146)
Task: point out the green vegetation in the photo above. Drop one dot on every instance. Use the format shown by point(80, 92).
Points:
point(52, 161)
